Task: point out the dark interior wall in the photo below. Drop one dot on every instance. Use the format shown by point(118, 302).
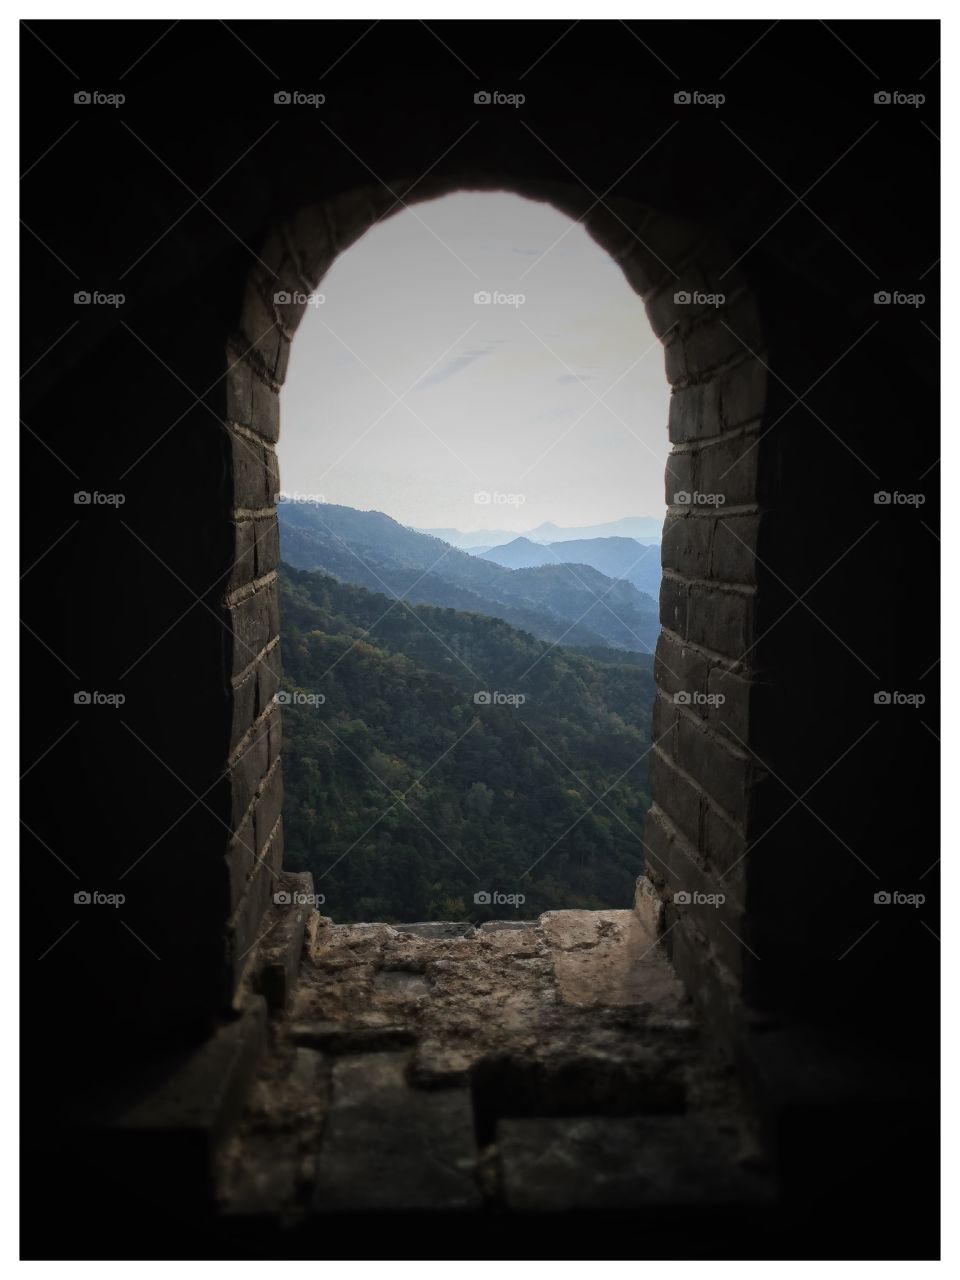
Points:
point(820, 196)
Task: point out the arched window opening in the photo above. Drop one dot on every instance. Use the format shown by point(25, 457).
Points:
point(472, 497)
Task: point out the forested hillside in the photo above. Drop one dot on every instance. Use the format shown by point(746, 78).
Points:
point(406, 795)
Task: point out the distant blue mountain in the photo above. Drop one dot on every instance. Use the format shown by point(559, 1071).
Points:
point(624, 558)
point(643, 528)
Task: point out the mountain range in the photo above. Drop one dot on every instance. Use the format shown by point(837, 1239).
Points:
point(577, 604)
point(643, 528)
point(616, 557)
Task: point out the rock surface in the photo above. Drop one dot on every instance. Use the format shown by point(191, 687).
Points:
point(525, 1064)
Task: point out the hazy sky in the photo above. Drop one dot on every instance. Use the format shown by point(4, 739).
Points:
point(497, 398)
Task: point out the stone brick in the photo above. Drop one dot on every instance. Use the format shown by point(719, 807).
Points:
point(695, 411)
point(730, 467)
point(724, 775)
point(240, 860)
point(247, 771)
point(734, 548)
point(259, 329)
point(664, 727)
point(268, 678)
point(268, 806)
point(673, 604)
point(245, 708)
point(733, 713)
point(678, 667)
point(244, 927)
point(724, 845)
point(244, 567)
point(676, 794)
point(264, 410)
point(238, 387)
point(255, 621)
point(680, 475)
point(725, 335)
point(687, 542)
point(390, 1147)
point(256, 476)
point(719, 619)
point(266, 536)
point(676, 852)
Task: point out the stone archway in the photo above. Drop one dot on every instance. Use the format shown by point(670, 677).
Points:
point(701, 773)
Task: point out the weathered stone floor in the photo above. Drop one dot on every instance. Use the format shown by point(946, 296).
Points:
point(536, 1065)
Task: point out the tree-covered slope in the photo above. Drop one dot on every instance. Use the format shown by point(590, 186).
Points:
point(405, 796)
